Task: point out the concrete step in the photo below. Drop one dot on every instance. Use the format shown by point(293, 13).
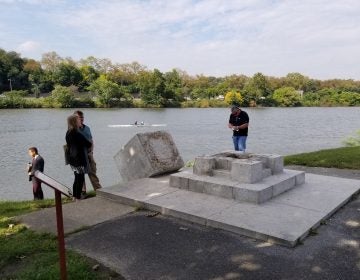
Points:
point(225, 173)
point(266, 172)
point(223, 163)
point(286, 219)
point(222, 173)
point(221, 185)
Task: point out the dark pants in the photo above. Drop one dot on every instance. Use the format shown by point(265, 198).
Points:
point(37, 191)
point(78, 184)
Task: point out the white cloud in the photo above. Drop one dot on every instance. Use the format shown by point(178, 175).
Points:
point(318, 38)
point(31, 2)
point(28, 47)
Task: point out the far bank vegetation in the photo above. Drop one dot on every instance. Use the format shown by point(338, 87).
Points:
point(56, 82)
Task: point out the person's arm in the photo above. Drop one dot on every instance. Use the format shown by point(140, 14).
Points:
point(91, 149)
point(230, 124)
point(34, 167)
point(245, 125)
point(237, 127)
point(41, 164)
point(83, 140)
point(92, 146)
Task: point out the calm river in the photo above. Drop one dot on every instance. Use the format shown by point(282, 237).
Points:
point(195, 132)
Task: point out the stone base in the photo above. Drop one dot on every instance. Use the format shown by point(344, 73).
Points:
point(285, 219)
point(220, 185)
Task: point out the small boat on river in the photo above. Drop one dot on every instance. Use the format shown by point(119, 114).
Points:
point(137, 125)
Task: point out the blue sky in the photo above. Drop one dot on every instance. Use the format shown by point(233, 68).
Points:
point(318, 38)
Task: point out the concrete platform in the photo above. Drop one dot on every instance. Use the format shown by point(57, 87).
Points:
point(285, 219)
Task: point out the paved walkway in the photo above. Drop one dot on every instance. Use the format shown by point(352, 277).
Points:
point(76, 215)
point(143, 245)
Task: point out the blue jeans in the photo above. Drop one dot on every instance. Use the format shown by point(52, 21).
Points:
point(239, 143)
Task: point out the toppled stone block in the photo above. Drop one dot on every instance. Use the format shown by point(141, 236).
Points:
point(148, 154)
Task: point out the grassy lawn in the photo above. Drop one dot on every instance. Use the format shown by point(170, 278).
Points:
point(25, 254)
point(346, 157)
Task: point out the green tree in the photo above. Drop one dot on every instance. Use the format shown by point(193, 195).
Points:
point(202, 87)
point(152, 87)
point(101, 65)
point(12, 74)
point(287, 97)
point(33, 68)
point(342, 85)
point(46, 81)
point(173, 86)
point(62, 97)
point(89, 75)
point(311, 85)
point(105, 90)
point(256, 90)
point(350, 98)
point(235, 82)
point(296, 80)
point(66, 74)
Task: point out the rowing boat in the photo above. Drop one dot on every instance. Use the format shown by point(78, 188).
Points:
point(136, 125)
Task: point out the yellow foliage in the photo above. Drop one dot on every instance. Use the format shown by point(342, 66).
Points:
point(233, 97)
point(204, 103)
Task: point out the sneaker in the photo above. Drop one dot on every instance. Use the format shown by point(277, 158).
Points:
point(83, 196)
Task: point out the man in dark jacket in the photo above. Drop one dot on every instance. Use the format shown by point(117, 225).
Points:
point(36, 164)
point(239, 123)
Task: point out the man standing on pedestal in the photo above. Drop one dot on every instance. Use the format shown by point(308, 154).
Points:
point(239, 123)
point(85, 130)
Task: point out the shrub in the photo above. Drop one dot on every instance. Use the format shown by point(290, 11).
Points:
point(62, 97)
point(233, 97)
point(353, 141)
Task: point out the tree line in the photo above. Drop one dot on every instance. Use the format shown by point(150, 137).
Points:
point(55, 81)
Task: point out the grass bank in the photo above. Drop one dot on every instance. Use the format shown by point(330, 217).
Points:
point(25, 254)
point(343, 158)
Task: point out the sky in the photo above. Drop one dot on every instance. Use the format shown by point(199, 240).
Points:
point(317, 38)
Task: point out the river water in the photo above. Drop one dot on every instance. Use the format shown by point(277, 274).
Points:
point(195, 132)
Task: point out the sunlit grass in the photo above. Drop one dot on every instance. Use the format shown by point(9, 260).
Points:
point(25, 254)
point(346, 157)
point(14, 208)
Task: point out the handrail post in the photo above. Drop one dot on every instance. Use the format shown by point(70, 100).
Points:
point(60, 231)
point(59, 189)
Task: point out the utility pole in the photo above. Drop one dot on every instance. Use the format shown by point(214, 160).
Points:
point(10, 84)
